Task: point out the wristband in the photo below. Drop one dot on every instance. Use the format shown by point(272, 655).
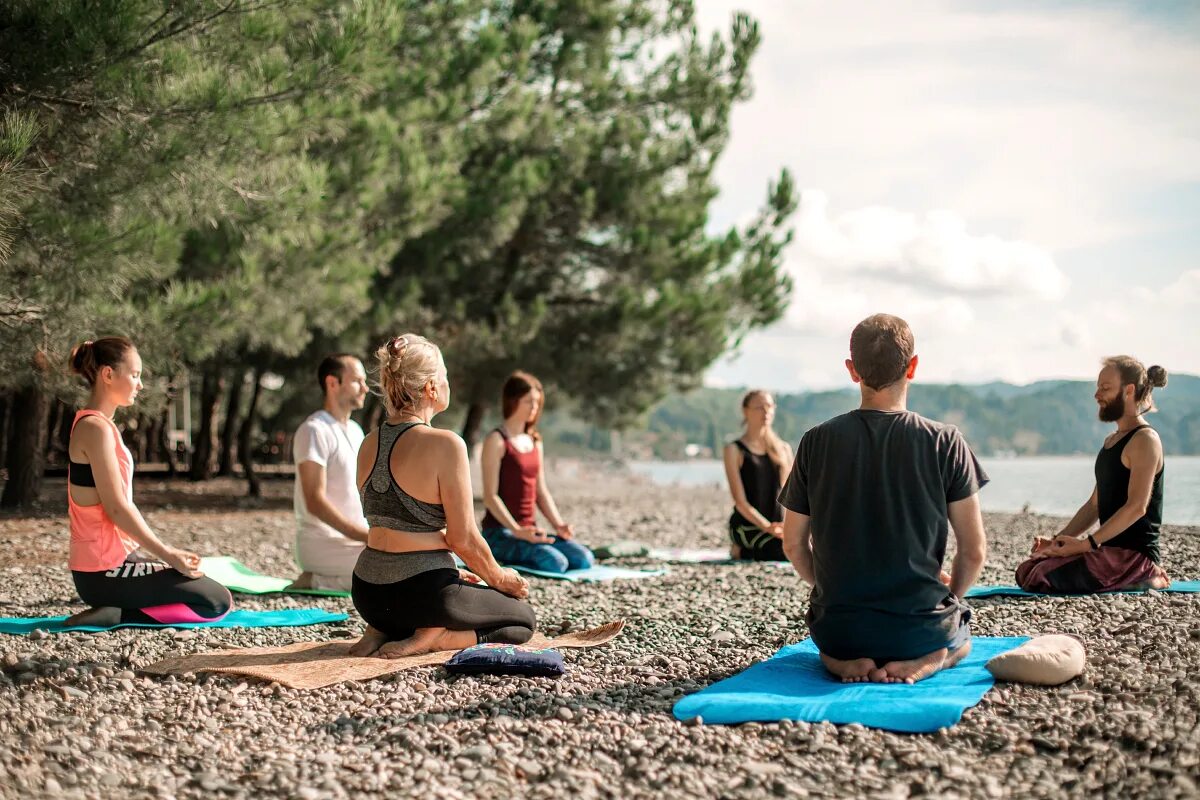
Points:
point(1095, 544)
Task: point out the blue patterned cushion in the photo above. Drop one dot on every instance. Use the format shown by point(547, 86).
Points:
point(507, 659)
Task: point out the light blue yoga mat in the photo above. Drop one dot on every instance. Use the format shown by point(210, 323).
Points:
point(793, 684)
point(1177, 587)
point(594, 574)
point(239, 618)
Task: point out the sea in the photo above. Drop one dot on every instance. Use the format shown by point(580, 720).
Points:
point(1055, 485)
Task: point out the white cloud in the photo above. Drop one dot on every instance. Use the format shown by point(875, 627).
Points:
point(932, 251)
point(978, 163)
point(1048, 121)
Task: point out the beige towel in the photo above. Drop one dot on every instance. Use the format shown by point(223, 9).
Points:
point(311, 665)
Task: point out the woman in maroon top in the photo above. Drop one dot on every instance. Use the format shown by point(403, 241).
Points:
point(514, 486)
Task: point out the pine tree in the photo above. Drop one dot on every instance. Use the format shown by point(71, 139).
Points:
point(127, 126)
point(576, 244)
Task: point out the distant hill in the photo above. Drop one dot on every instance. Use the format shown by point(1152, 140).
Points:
point(1056, 417)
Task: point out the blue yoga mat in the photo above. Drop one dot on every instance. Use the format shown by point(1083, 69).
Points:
point(1178, 587)
point(594, 574)
point(287, 618)
point(793, 684)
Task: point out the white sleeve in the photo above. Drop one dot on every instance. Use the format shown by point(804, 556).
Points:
point(313, 443)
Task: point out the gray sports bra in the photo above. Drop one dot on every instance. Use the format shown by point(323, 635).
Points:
point(385, 504)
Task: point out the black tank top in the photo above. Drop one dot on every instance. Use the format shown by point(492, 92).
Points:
point(760, 479)
point(1112, 492)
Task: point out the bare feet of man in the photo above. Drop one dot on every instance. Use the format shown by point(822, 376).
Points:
point(100, 617)
point(918, 669)
point(427, 640)
point(855, 670)
point(1157, 580)
point(371, 641)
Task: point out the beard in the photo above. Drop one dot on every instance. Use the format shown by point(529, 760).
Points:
point(1112, 410)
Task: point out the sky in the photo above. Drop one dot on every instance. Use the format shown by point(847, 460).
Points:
point(1018, 180)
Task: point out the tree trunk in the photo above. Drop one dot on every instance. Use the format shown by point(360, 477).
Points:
point(53, 451)
point(29, 418)
point(5, 405)
point(151, 441)
point(470, 430)
point(204, 455)
point(164, 441)
point(229, 429)
point(244, 446)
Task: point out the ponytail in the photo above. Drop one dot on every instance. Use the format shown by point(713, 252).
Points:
point(89, 357)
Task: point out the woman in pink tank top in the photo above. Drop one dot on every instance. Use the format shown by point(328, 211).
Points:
point(514, 486)
point(121, 569)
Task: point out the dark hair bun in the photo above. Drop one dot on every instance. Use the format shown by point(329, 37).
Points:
point(1157, 376)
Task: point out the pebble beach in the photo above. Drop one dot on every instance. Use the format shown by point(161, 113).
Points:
point(78, 719)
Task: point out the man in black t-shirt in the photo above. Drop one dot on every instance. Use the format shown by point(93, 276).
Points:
point(868, 507)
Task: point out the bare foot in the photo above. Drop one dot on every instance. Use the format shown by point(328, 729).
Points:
point(100, 617)
point(915, 669)
point(735, 552)
point(304, 581)
point(427, 640)
point(855, 670)
point(1159, 579)
point(371, 641)
point(958, 654)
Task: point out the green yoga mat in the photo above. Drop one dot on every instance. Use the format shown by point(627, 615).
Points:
point(237, 577)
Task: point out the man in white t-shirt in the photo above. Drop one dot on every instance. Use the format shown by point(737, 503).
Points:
point(331, 530)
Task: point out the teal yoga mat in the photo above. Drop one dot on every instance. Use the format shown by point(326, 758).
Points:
point(239, 618)
point(237, 577)
point(1176, 587)
point(793, 684)
point(596, 574)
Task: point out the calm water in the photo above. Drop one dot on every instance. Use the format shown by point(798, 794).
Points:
point(1049, 484)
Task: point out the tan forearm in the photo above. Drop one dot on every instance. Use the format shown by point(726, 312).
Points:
point(494, 504)
point(752, 514)
point(470, 546)
point(1084, 518)
point(545, 504)
point(130, 520)
point(799, 553)
point(319, 506)
point(965, 571)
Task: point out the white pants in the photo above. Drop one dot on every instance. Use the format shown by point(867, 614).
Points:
point(330, 559)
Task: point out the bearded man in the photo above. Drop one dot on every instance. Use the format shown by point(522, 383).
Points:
point(1127, 500)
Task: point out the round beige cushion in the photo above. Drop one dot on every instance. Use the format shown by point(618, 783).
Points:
point(1044, 660)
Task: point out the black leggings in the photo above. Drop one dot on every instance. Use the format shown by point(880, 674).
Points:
point(756, 544)
point(152, 593)
point(439, 598)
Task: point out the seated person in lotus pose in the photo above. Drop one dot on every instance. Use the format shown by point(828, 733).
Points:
point(121, 569)
point(416, 492)
point(331, 530)
point(514, 482)
point(1127, 500)
point(756, 466)
point(868, 504)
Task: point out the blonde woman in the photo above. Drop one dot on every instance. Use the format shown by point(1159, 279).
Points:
point(756, 465)
point(416, 494)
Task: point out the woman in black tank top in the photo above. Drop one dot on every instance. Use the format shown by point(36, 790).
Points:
point(755, 466)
